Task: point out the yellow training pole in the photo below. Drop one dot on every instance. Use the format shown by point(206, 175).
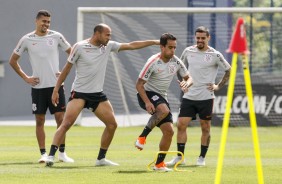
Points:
point(226, 118)
point(252, 118)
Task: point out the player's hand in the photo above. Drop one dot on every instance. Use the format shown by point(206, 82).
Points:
point(150, 108)
point(33, 81)
point(213, 87)
point(55, 98)
point(183, 85)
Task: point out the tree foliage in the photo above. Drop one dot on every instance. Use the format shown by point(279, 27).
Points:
point(261, 35)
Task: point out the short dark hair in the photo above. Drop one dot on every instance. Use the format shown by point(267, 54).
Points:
point(203, 29)
point(44, 13)
point(99, 28)
point(165, 37)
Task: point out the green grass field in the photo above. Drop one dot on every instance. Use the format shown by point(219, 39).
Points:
point(19, 155)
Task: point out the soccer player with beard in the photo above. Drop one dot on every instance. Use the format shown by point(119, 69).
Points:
point(90, 58)
point(42, 46)
point(202, 62)
point(152, 86)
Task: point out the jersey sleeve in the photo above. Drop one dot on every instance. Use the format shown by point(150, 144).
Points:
point(183, 71)
point(115, 46)
point(184, 58)
point(21, 46)
point(222, 62)
point(147, 70)
point(184, 62)
point(75, 53)
point(63, 43)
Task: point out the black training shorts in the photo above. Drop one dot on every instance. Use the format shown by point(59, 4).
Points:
point(156, 99)
point(92, 100)
point(41, 100)
point(189, 108)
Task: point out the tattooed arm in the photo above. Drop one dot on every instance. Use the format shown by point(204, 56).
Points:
point(225, 78)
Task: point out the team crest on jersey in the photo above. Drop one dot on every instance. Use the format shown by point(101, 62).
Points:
point(50, 41)
point(171, 69)
point(102, 49)
point(208, 58)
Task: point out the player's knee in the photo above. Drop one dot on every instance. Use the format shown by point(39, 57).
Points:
point(112, 126)
point(165, 112)
point(40, 121)
point(181, 126)
point(206, 131)
point(66, 126)
point(168, 132)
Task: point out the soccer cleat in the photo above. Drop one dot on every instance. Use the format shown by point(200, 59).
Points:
point(174, 161)
point(43, 158)
point(105, 162)
point(64, 158)
point(161, 167)
point(201, 161)
point(140, 142)
point(50, 161)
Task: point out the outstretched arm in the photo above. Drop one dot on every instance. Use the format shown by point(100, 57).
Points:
point(138, 44)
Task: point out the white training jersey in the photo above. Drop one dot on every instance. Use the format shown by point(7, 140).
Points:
point(43, 54)
point(158, 74)
point(203, 68)
point(91, 62)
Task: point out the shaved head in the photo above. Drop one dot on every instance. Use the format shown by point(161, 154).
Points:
point(100, 27)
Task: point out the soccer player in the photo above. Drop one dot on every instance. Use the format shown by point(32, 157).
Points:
point(152, 85)
point(42, 46)
point(202, 62)
point(90, 57)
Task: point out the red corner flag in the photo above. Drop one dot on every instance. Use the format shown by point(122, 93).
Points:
point(238, 42)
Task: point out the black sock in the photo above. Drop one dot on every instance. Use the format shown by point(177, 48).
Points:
point(181, 148)
point(160, 158)
point(204, 150)
point(62, 148)
point(102, 154)
point(53, 150)
point(42, 151)
point(145, 132)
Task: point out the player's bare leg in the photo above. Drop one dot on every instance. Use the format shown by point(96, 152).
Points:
point(205, 127)
point(74, 107)
point(167, 131)
point(40, 135)
point(205, 141)
point(105, 113)
point(162, 111)
point(182, 125)
point(59, 119)
point(62, 154)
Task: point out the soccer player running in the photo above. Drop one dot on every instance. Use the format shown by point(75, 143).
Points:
point(42, 46)
point(152, 85)
point(90, 58)
point(202, 62)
